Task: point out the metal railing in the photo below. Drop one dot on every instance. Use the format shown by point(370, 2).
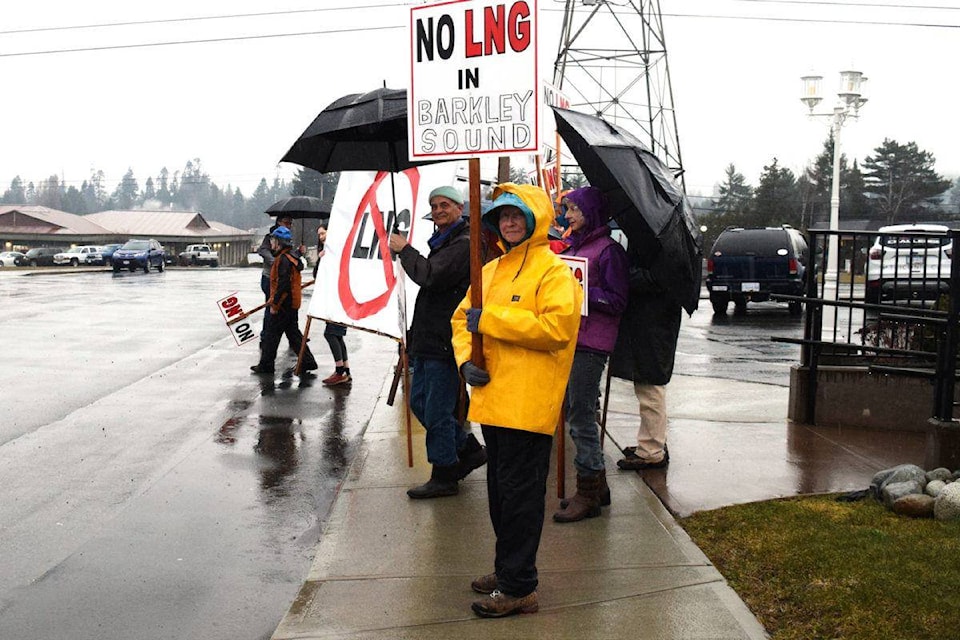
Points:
point(887, 307)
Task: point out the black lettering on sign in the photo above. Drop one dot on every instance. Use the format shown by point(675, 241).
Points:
point(468, 78)
point(442, 39)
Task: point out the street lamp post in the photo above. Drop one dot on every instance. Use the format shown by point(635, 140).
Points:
point(850, 95)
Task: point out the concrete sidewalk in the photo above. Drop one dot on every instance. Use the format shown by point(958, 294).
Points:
point(390, 567)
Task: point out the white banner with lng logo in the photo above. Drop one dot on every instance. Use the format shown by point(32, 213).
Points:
point(359, 283)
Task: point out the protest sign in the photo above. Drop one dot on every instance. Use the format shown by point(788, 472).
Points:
point(474, 79)
point(358, 282)
point(578, 266)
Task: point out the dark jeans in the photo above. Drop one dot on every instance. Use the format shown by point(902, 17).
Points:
point(265, 287)
point(517, 466)
point(433, 399)
point(285, 322)
point(581, 410)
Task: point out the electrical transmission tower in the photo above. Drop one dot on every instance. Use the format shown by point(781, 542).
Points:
point(612, 61)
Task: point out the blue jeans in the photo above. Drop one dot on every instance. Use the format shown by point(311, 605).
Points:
point(580, 404)
point(433, 399)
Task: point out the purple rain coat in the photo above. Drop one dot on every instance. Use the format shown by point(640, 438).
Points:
point(608, 283)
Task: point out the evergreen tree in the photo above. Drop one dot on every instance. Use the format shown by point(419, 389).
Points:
point(126, 195)
point(777, 198)
point(30, 195)
point(48, 195)
point(308, 182)
point(854, 204)
point(16, 194)
point(149, 191)
point(734, 194)
point(902, 180)
point(163, 188)
point(73, 201)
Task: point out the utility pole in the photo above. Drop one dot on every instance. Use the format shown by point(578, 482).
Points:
point(612, 61)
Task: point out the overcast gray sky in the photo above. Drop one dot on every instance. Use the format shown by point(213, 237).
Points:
point(238, 99)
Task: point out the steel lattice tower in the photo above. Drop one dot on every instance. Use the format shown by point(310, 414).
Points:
point(612, 61)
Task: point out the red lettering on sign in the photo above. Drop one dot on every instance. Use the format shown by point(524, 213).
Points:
point(519, 26)
point(497, 29)
point(228, 302)
point(354, 308)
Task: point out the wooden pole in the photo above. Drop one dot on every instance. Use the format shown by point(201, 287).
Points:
point(603, 416)
point(303, 346)
point(406, 402)
point(562, 456)
point(476, 262)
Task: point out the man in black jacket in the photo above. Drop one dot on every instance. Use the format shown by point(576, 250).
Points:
point(443, 277)
point(645, 352)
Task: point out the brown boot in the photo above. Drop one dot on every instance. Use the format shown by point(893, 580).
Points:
point(604, 492)
point(584, 504)
point(485, 584)
point(498, 604)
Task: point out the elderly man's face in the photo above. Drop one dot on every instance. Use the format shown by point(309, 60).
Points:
point(444, 211)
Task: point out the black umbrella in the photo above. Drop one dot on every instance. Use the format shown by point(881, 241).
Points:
point(358, 132)
point(644, 199)
point(300, 207)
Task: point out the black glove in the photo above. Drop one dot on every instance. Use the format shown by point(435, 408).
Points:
point(473, 319)
point(474, 375)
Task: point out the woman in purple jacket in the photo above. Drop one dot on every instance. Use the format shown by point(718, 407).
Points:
point(607, 291)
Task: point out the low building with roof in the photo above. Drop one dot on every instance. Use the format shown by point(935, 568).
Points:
point(28, 226)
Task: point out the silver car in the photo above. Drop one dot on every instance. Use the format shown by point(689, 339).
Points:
point(909, 262)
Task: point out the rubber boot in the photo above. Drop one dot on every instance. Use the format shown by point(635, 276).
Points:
point(584, 504)
point(472, 455)
point(604, 492)
point(442, 482)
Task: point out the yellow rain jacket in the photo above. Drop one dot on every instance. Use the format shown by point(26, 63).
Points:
point(530, 319)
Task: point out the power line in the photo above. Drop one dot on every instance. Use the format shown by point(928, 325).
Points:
point(201, 41)
point(834, 3)
point(363, 29)
point(103, 25)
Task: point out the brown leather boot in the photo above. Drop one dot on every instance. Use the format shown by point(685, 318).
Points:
point(604, 492)
point(584, 504)
point(499, 604)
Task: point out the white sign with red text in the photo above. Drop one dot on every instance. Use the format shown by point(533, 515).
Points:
point(578, 266)
point(358, 282)
point(473, 79)
point(241, 330)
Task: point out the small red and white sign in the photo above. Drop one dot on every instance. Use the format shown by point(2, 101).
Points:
point(241, 330)
point(578, 265)
point(473, 79)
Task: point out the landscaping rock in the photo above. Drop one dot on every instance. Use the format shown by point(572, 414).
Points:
point(947, 505)
point(934, 487)
point(940, 473)
point(901, 473)
point(895, 490)
point(915, 505)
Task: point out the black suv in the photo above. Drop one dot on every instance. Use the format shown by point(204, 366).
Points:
point(42, 256)
point(748, 264)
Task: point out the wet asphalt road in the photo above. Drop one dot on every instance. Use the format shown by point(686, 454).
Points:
point(153, 488)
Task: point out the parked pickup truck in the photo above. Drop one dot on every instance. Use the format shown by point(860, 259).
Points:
point(196, 254)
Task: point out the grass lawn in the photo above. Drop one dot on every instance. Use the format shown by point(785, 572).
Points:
point(812, 567)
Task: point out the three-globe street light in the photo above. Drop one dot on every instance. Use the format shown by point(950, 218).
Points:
point(850, 99)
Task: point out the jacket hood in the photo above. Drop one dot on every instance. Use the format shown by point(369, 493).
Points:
point(532, 200)
point(593, 203)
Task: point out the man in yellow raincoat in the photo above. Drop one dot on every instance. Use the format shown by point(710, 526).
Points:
point(529, 323)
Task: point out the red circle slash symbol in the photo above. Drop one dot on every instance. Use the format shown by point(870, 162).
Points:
point(353, 307)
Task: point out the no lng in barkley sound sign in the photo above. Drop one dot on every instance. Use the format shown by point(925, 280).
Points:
point(474, 79)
